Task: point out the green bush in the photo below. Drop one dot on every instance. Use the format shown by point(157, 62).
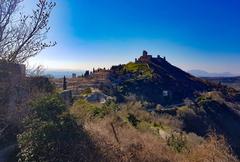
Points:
point(41, 84)
point(138, 68)
point(50, 134)
point(105, 109)
point(133, 120)
point(86, 92)
point(48, 108)
point(177, 142)
point(83, 110)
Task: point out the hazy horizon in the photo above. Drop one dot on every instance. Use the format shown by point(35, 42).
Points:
point(191, 34)
point(59, 73)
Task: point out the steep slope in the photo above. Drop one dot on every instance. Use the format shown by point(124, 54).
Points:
point(157, 81)
point(214, 111)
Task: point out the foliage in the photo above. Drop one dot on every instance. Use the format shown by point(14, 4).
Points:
point(48, 108)
point(135, 114)
point(50, 134)
point(183, 108)
point(84, 110)
point(177, 142)
point(86, 91)
point(140, 141)
point(203, 98)
point(137, 68)
point(214, 148)
point(133, 120)
point(105, 109)
point(40, 84)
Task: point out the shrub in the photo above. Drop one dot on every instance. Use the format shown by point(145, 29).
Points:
point(50, 134)
point(105, 109)
point(83, 110)
point(133, 120)
point(214, 148)
point(177, 142)
point(39, 83)
point(140, 69)
point(87, 91)
point(48, 108)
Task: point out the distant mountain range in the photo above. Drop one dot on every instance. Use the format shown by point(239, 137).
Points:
point(202, 73)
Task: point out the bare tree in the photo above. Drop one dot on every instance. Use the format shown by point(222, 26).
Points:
point(35, 71)
point(22, 36)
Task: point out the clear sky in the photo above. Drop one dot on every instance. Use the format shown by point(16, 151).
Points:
point(192, 34)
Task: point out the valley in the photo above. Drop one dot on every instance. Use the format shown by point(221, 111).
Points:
point(233, 82)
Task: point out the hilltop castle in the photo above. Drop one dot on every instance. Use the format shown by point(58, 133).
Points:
point(145, 58)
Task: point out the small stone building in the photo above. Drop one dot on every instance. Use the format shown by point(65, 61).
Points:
point(74, 75)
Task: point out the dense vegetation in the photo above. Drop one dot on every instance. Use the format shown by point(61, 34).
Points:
point(51, 134)
point(142, 71)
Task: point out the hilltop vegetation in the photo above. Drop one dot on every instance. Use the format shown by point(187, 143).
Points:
point(143, 71)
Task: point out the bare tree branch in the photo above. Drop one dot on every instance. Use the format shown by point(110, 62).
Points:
point(35, 71)
point(21, 36)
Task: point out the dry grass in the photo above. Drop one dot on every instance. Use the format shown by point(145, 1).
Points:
point(213, 149)
point(133, 145)
point(118, 140)
point(164, 120)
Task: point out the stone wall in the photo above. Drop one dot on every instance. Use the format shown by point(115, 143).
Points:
point(11, 79)
point(67, 97)
point(12, 70)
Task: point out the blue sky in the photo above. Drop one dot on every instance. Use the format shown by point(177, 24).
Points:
point(192, 34)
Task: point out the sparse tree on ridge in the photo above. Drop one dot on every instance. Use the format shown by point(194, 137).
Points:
point(23, 36)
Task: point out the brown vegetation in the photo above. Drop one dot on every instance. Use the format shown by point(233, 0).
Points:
point(118, 138)
point(134, 145)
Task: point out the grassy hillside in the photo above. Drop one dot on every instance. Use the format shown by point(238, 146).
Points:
point(127, 132)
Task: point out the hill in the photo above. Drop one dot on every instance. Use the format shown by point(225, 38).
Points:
point(156, 80)
point(153, 101)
